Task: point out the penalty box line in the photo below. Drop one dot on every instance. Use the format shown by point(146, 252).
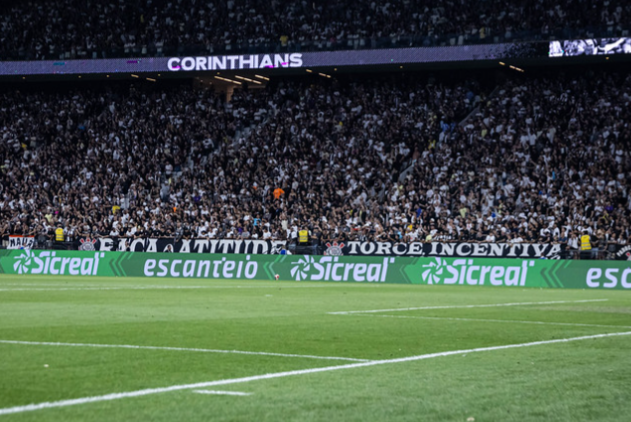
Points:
point(570, 324)
point(176, 349)
point(490, 305)
point(149, 391)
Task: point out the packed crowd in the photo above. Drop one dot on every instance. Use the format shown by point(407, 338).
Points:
point(533, 159)
point(66, 29)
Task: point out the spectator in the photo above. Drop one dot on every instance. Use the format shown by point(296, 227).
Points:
point(130, 160)
point(49, 30)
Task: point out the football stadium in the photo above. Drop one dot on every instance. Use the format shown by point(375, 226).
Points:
point(315, 211)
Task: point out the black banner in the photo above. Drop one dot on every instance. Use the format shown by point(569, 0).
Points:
point(490, 250)
point(624, 253)
point(183, 245)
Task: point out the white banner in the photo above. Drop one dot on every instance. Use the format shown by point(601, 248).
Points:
point(21, 242)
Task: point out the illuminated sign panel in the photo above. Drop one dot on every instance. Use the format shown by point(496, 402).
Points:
point(590, 47)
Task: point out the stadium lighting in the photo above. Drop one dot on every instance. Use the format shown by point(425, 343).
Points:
point(134, 76)
point(228, 80)
point(309, 70)
point(151, 79)
point(247, 79)
point(262, 77)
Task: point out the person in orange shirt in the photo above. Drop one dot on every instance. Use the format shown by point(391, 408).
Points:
point(278, 192)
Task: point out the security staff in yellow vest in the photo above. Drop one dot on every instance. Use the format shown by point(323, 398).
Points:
point(60, 234)
point(303, 236)
point(586, 245)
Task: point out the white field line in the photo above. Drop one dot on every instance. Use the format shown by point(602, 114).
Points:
point(49, 284)
point(225, 393)
point(35, 289)
point(176, 349)
point(149, 391)
point(61, 289)
point(491, 305)
point(571, 324)
point(73, 285)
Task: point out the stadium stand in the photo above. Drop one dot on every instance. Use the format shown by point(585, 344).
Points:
point(68, 29)
point(536, 158)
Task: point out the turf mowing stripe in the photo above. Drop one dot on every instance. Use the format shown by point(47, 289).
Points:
point(571, 324)
point(491, 305)
point(176, 349)
point(149, 391)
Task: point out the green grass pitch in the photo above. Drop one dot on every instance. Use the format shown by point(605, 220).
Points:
point(53, 329)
